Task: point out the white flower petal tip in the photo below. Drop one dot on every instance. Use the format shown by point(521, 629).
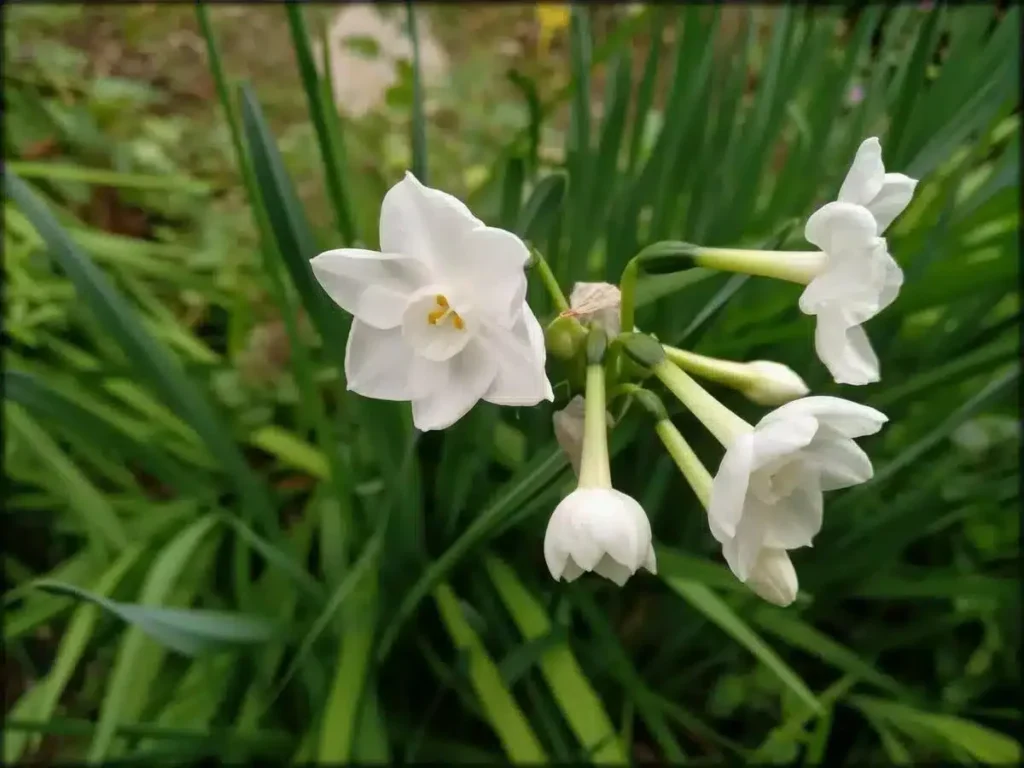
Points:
point(598, 530)
point(768, 492)
point(860, 277)
point(773, 577)
point(773, 383)
point(597, 301)
point(441, 318)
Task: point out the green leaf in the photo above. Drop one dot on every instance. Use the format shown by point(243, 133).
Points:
point(323, 112)
point(983, 744)
point(577, 699)
point(191, 632)
point(502, 711)
point(419, 120)
point(717, 611)
point(152, 361)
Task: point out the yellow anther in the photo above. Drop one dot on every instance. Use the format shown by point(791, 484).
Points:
point(443, 312)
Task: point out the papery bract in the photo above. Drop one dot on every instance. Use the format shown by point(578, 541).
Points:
point(440, 313)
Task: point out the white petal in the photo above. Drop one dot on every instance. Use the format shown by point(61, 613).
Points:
point(864, 179)
point(488, 265)
point(467, 376)
point(841, 226)
point(571, 571)
point(521, 379)
point(380, 364)
point(439, 340)
point(422, 222)
point(776, 437)
point(796, 520)
point(845, 350)
point(895, 195)
point(773, 577)
point(568, 424)
point(773, 383)
point(847, 418)
point(373, 287)
point(613, 570)
point(729, 488)
point(749, 538)
point(892, 280)
point(841, 462)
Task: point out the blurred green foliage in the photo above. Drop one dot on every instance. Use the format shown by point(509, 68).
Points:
point(213, 549)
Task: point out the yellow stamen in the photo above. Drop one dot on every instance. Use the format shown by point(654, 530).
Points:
point(443, 312)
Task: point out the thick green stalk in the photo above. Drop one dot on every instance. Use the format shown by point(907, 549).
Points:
point(682, 454)
point(595, 471)
point(725, 425)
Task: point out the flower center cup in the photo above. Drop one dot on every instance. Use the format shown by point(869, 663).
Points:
point(433, 327)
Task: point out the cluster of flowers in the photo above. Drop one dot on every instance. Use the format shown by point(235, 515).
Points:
point(441, 320)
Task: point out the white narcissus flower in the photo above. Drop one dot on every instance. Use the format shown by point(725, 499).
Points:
point(859, 278)
point(596, 528)
point(597, 301)
point(600, 530)
point(767, 493)
point(440, 313)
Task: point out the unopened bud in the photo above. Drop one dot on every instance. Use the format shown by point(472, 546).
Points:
point(597, 301)
point(773, 577)
point(773, 383)
point(564, 337)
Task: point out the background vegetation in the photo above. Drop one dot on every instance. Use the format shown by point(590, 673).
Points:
point(178, 436)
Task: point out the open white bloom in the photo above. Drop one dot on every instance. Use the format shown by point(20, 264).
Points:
point(767, 493)
point(600, 530)
point(597, 301)
point(773, 383)
point(440, 313)
point(596, 528)
point(859, 278)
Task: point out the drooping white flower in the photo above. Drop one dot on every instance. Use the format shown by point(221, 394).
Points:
point(597, 301)
point(597, 528)
point(859, 278)
point(601, 530)
point(440, 313)
point(767, 493)
point(773, 383)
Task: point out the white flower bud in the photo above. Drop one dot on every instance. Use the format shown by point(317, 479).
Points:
point(773, 383)
point(773, 577)
point(600, 530)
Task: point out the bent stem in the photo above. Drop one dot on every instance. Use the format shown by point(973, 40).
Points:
point(550, 282)
point(725, 425)
point(595, 471)
point(682, 454)
point(795, 266)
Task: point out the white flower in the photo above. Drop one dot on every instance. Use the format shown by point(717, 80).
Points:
point(773, 383)
point(597, 301)
point(773, 577)
point(600, 530)
point(767, 493)
point(859, 278)
point(440, 313)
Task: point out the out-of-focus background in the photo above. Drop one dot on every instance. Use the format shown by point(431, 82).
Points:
point(177, 434)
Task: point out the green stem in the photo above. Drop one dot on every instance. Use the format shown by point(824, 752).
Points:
point(727, 372)
point(682, 454)
point(725, 425)
point(550, 282)
point(795, 266)
point(595, 471)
